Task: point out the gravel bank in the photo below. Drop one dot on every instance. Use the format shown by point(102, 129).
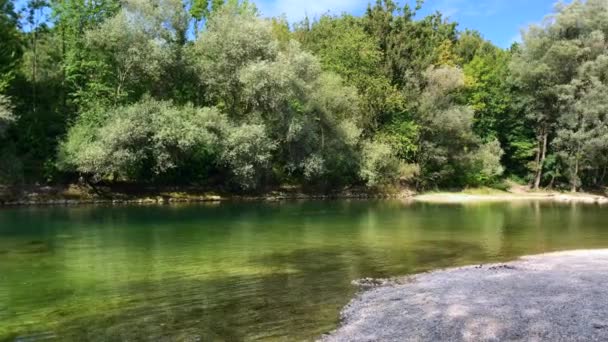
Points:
point(444, 198)
point(551, 297)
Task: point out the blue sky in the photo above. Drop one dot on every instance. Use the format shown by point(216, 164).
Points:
point(498, 20)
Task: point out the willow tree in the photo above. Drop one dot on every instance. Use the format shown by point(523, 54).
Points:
point(129, 53)
point(140, 142)
point(310, 115)
point(450, 151)
point(582, 135)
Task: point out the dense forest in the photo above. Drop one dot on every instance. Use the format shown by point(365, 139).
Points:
point(210, 93)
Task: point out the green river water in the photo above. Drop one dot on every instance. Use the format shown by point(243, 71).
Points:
point(245, 271)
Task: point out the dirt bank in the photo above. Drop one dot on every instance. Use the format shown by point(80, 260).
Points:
point(73, 194)
point(551, 297)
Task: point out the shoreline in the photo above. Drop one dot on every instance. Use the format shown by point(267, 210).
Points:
point(559, 197)
point(80, 195)
point(558, 296)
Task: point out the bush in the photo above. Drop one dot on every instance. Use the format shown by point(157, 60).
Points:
point(6, 114)
point(247, 152)
point(379, 166)
point(139, 141)
point(484, 167)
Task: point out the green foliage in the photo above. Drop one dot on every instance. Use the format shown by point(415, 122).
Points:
point(408, 46)
point(560, 70)
point(11, 48)
point(6, 114)
point(201, 9)
point(130, 53)
point(221, 51)
point(10, 167)
point(309, 114)
point(484, 167)
point(247, 151)
point(403, 137)
point(471, 44)
point(281, 31)
point(446, 126)
point(493, 99)
point(488, 93)
point(379, 165)
point(143, 140)
point(73, 18)
point(344, 47)
point(120, 91)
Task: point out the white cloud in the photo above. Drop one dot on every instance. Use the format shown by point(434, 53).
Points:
point(296, 10)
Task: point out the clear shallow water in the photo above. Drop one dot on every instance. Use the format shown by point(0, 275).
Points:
point(243, 271)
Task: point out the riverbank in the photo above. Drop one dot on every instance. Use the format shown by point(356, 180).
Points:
point(551, 297)
point(511, 196)
point(73, 194)
point(82, 194)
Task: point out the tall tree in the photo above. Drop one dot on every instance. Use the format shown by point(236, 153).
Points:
point(344, 47)
point(11, 48)
point(72, 19)
point(549, 61)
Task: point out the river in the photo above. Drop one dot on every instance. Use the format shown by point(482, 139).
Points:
point(246, 271)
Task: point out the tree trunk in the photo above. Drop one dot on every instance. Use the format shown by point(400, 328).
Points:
point(34, 70)
point(552, 182)
point(64, 101)
point(574, 176)
point(540, 158)
point(322, 138)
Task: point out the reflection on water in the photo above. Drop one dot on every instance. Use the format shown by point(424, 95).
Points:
point(245, 271)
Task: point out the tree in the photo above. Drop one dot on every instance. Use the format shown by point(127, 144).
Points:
point(379, 165)
point(445, 125)
point(208, 92)
point(230, 41)
point(142, 141)
point(581, 138)
point(6, 114)
point(72, 19)
point(10, 168)
point(247, 152)
point(201, 10)
point(492, 98)
point(471, 44)
point(408, 46)
point(345, 48)
point(548, 62)
point(484, 165)
point(11, 48)
point(450, 152)
point(309, 114)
